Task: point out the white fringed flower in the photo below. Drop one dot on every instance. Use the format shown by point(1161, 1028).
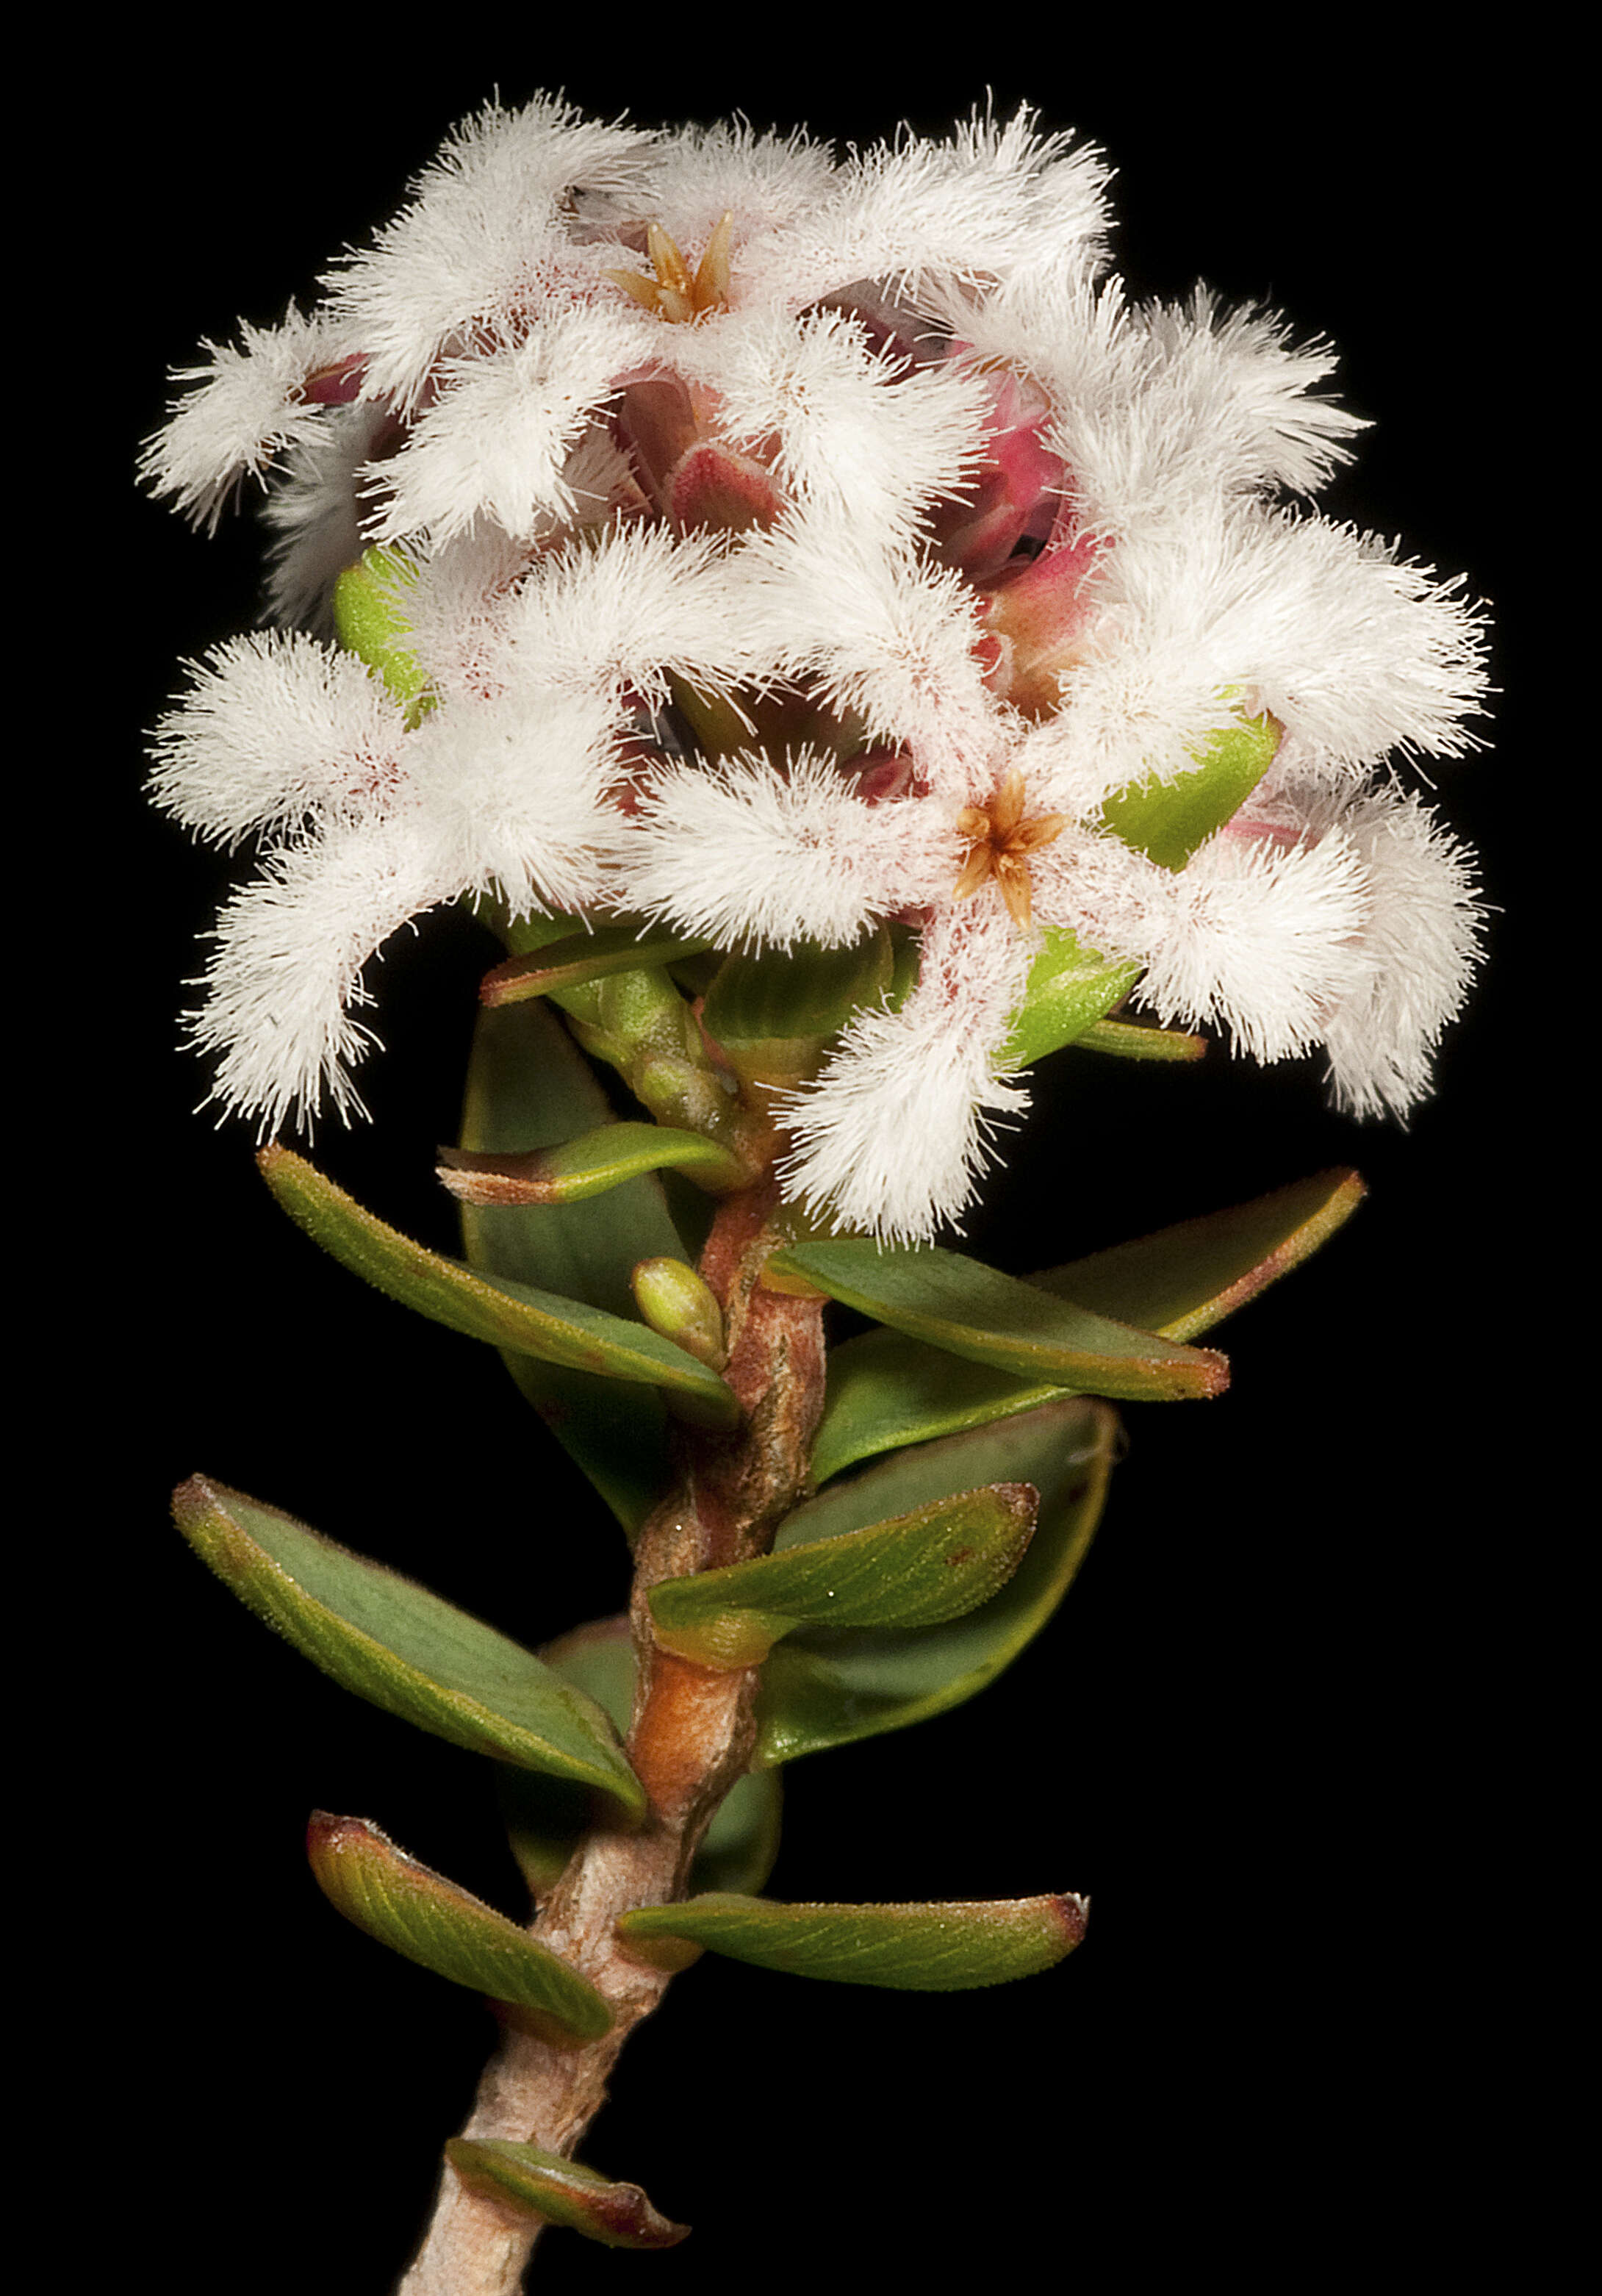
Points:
point(682, 436)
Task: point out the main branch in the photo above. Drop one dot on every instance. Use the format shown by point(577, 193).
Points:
point(690, 1740)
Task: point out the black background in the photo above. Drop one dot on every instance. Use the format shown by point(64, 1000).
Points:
point(1270, 1732)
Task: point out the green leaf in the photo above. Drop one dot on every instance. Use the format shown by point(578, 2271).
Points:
point(590, 1166)
point(565, 962)
point(418, 1913)
point(929, 1948)
point(935, 1563)
point(886, 1390)
point(1186, 1278)
point(530, 1086)
point(1167, 821)
point(563, 2193)
point(505, 1313)
point(545, 1818)
point(823, 1686)
point(973, 1311)
point(401, 1647)
point(774, 1015)
point(1127, 1041)
point(1069, 990)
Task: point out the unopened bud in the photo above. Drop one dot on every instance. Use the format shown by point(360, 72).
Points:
point(680, 1305)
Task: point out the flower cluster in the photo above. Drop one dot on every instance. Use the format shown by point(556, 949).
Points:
point(788, 544)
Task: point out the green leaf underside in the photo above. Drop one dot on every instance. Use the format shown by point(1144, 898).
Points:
point(416, 1912)
point(568, 963)
point(504, 1312)
point(1186, 1278)
point(937, 1562)
point(806, 993)
point(528, 1087)
point(544, 1820)
point(886, 1389)
point(826, 1686)
point(975, 1312)
point(1126, 1040)
point(1069, 990)
point(401, 1647)
point(922, 1949)
point(562, 2192)
point(598, 1162)
point(1169, 821)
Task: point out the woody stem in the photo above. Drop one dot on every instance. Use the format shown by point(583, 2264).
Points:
point(689, 1741)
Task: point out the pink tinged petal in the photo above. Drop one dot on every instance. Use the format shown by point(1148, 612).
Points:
point(1035, 620)
point(1018, 497)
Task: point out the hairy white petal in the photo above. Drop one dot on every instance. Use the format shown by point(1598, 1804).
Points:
point(1260, 937)
point(314, 510)
point(287, 966)
point(896, 1131)
point(248, 407)
point(888, 636)
point(483, 239)
point(496, 442)
point(512, 792)
point(1422, 940)
point(275, 728)
point(854, 434)
point(986, 201)
point(748, 856)
point(626, 609)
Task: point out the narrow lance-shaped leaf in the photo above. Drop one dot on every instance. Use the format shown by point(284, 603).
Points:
point(506, 1314)
point(401, 1647)
point(1128, 1041)
point(823, 1688)
point(886, 1389)
point(919, 1948)
point(933, 1564)
point(562, 2192)
point(589, 1166)
point(581, 956)
point(416, 1912)
point(973, 1311)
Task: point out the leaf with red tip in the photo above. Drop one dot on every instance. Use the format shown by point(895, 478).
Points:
point(562, 2192)
point(417, 1912)
point(918, 1949)
point(590, 1166)
point(886, 1389)
point(581, 956)
point(974, 1311)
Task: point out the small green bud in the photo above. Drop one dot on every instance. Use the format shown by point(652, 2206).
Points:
point(683, 1307)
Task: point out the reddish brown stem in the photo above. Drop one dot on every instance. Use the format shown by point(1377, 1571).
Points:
point(690, 1740)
